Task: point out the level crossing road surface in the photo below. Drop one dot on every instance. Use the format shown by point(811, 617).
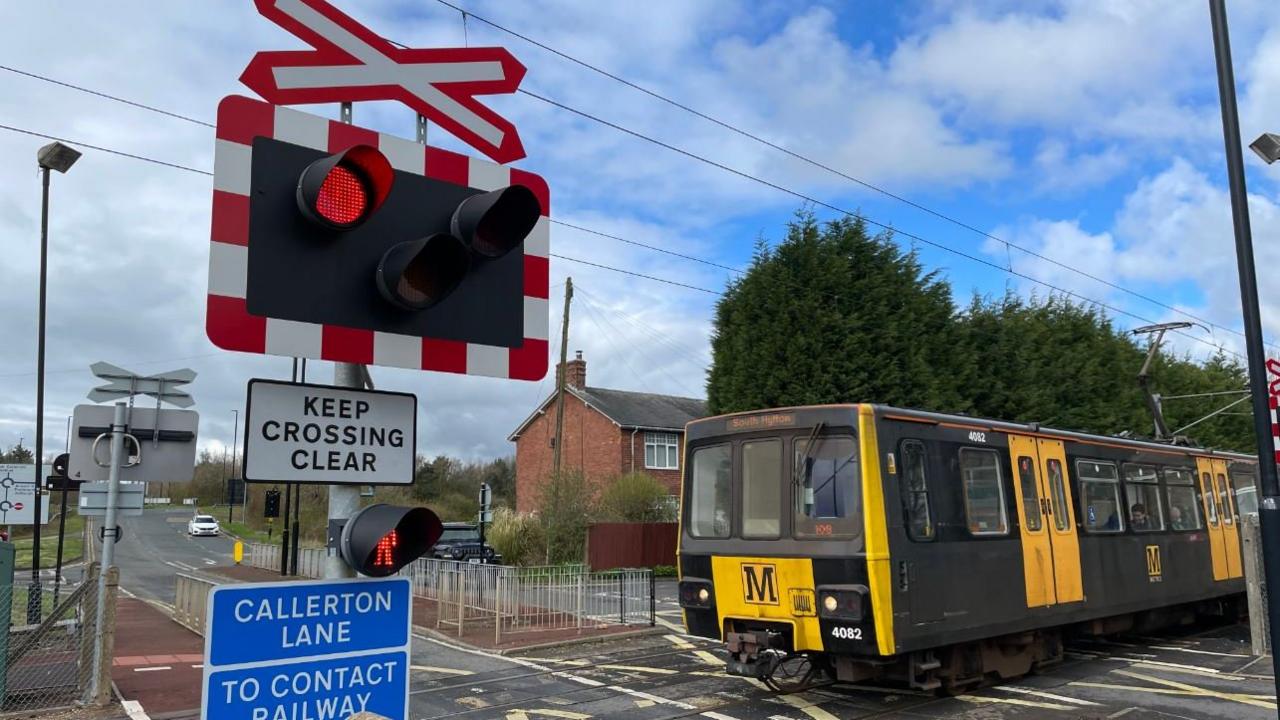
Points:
point(1201, 673)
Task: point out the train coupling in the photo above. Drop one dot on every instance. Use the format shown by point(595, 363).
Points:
point(754, 654)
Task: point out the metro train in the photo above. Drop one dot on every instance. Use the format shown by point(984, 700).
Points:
point(863, 541)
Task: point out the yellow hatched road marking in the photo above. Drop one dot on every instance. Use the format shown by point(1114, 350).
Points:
point(644, 703)
point(979, 699)
point(679, 642)
point(1042, 694)
point(1199, 652)
point(565, 714)
point(708, 658)
point(806, 706)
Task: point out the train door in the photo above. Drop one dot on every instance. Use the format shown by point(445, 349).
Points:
point(1062, 521)
point(1227, 514)
point(1209, 498)
point(1050, 551)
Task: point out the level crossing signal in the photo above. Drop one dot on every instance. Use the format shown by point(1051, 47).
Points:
point(380, 539)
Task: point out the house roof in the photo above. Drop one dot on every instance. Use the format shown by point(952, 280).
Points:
point(647, 410)
point(631, 409)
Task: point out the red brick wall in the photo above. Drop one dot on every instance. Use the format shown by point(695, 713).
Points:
point(670, 478)
point(592, 443)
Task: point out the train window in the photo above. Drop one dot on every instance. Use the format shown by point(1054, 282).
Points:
point(1246, 492)
point(1030, 493)
point(1058, 494)
point(1141, 486)
point(1184, 511)
point(1100, 496)
point(1210, 499)
point(826, 488)
point(915, 491)
point(761, 488)
point(1224, 500)
point(984, 505)
point(708, 494)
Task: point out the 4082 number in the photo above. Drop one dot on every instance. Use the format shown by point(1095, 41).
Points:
point(846, 633)
point(978, 437)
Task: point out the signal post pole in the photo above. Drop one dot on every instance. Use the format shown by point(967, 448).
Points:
point(344, 500)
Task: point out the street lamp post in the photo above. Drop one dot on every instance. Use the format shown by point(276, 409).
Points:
point(54, 156)
point(1269, 507)
point(231, 481)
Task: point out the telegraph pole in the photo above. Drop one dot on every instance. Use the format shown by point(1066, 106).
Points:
point(1269, 508)
point(560, 378)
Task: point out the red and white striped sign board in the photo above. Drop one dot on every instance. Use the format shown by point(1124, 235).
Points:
point(230, 325)
point(1273, 399)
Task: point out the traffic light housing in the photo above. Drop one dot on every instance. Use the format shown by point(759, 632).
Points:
point(335, 242)
point(271, 504)
point(380, 539)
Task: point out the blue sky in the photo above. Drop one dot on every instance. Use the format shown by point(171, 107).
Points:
point(1087, 132)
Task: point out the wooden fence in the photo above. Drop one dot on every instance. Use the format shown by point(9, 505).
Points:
point(631, 545)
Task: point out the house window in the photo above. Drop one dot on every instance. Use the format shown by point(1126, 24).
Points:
point(661, 451)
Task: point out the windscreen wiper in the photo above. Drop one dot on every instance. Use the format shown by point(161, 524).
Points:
point(808, 452)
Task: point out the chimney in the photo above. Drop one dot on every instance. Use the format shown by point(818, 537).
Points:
point(577, 367)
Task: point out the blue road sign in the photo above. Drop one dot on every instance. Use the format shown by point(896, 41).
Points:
point(308, 650)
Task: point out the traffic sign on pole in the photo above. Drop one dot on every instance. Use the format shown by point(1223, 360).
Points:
point(352, 63)
point(308, 649)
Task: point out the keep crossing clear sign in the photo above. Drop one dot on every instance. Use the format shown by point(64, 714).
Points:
point(296, 432)
point(308, 650)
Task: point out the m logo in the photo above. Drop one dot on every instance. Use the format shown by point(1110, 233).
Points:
point(759, 584)
point(1153, 563)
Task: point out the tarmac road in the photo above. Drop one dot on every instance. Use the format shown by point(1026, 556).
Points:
point(156, 546)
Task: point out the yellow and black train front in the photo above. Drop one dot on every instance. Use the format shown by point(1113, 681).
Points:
point(782, 544)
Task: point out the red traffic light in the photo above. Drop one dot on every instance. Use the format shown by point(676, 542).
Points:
point(342, 190)
point(381, 539)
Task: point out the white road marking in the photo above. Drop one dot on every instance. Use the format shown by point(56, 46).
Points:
point(1042, 694)
point(446, 671)
point(210, 562)
point(1199, 652)
point(153, 668)
point(717, 716)
point(134, 710)
point(646, 696)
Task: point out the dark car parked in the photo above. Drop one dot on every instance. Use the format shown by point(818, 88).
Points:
point(461, 541)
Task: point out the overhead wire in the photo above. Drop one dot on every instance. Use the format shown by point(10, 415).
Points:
point(827, 168)
point(673, 148)
point(655, 334)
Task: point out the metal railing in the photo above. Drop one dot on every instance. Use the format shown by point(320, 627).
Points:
point(470, 596)
point(63, 660)
point(191, 601)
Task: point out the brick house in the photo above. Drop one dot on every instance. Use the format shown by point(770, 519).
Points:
point(606, 433)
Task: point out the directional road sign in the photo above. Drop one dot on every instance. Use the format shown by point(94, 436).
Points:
point(351, 63)
point(321, 434)
point(308, 649)
point(125, 384)
point(18, 494)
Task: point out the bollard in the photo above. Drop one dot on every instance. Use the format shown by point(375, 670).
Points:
point(237, 553)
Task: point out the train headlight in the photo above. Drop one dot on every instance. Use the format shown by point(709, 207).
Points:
point(696, 593)
point(843, 602)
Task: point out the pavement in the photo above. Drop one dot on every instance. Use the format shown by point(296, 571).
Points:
point(1198, 674)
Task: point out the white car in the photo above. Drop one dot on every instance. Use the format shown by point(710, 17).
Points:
point(203, 525)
